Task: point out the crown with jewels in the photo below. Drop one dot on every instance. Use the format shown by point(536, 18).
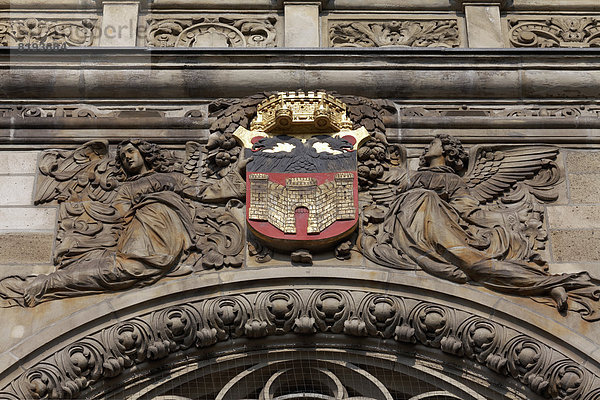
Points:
point(302, 112)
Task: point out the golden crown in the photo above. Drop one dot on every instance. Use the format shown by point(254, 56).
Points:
point(302, 112)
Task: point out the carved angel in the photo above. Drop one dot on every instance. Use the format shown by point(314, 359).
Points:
point(453, 226)
point(131, 220)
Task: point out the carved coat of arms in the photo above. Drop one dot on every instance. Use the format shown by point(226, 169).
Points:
point(302, 182)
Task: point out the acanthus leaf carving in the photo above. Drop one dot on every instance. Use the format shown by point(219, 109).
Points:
point(331, 310)
point(175, 327)
point(127, 344)
point(39, 32)
point(82, 365)
point(526, 361)
point(405, 33)
point(228, 315)
point(482, 340)
point(570, 31)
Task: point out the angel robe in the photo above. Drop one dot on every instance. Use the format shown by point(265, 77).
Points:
point(437, 224)
point(157, 229)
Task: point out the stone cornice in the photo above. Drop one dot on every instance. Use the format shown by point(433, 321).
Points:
point(211, 73)
point(340, 5)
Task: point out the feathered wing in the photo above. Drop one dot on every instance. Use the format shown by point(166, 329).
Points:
point(493, 171)
point(83, 182)
point(86, 173)
point(191, 164)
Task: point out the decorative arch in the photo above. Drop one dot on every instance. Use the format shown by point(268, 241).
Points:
point(254, 325)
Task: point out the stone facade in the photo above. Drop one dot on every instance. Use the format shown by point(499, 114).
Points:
point(502, 74)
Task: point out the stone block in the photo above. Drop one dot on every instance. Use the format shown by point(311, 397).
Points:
point(575, 245)
point(583, 162)
point(119, 23)
point(483, 26)
point(19, 219)
point(302, 24)
point(568, 268)
point(584, 188)
point(18, 162)
point(16, 190)
point(26, 248)
point(574, 217)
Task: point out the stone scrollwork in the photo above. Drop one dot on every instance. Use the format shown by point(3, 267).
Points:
point(212, 32)
point(556, 32)
point(79, 368)
point(405, 33)
point(37, 32)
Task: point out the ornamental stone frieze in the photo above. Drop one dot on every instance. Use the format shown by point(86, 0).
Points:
point(555, 31)
point(240, 31)
point(48, 32)
point(397, 32)
point(329, 179)
point(287, 182)
point(82, 369)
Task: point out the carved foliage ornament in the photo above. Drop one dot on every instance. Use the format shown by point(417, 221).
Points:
point(496, 192)
point(556, 32)
point(212, 32)
point(129, 219)
point(404, 33)
point(81, 366)
point(35, 31)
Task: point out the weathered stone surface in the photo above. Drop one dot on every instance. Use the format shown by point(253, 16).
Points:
point(15, 219)
point(593, 268)
point(119, 23)
point(583, 162)
point(16, 190)
point(584, 188)
point(575, 245)
point(301, 24)
point(25, 248)
point(18, 162)
point(483, 26)
point(573, 217)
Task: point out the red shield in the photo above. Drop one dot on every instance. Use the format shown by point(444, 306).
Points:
point(302, 195)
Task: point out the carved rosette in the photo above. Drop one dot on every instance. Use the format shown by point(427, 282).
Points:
point(404, 33)
point(35, 32)
point(555, 32)
point(212, 32)
point(82, 365)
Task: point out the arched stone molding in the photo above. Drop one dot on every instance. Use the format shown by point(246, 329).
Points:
point(408, 316)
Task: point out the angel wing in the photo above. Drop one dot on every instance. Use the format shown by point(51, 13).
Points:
point(86, 173)
point(495, 170)
point(191, 164)
point(394, 179)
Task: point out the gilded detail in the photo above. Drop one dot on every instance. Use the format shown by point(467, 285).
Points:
point(277, 204)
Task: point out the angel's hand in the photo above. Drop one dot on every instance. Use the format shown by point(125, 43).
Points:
point(242, 162)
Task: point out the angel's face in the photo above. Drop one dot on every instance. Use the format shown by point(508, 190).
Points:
point(132, 160)
point(435, 151)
